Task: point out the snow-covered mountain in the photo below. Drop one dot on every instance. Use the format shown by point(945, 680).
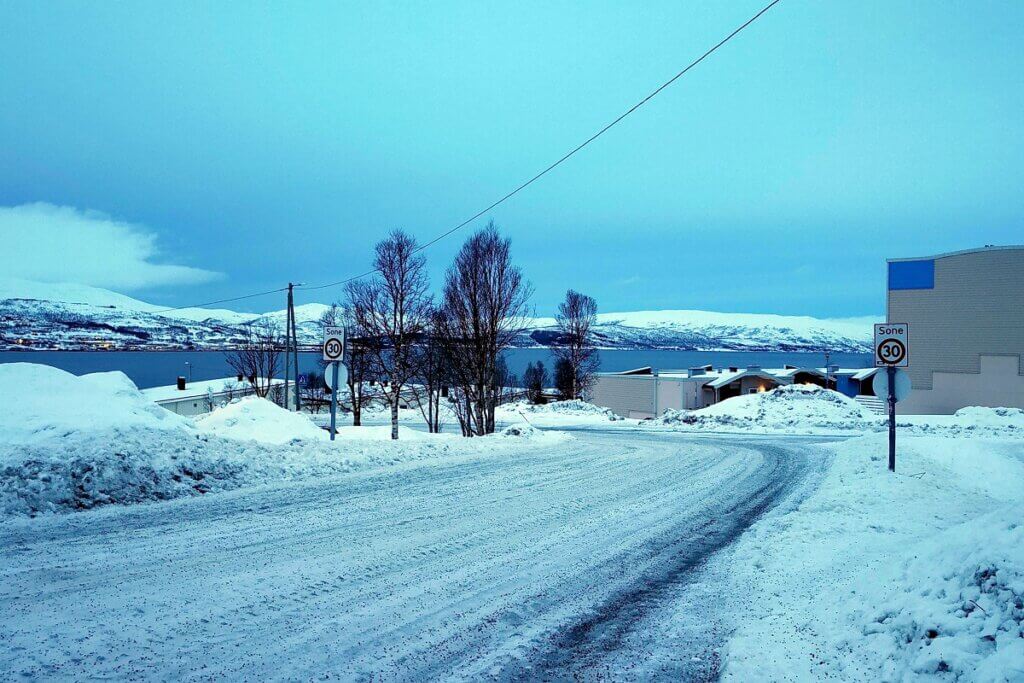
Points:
point(73, 317)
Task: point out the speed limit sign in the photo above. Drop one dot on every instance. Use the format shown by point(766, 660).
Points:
point(334, 343)
point(892, 345)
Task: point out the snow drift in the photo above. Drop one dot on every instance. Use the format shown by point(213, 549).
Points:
point(40, 402)
point(75, 443)
point(794, 408)
point(879, 576)
point(257, 419)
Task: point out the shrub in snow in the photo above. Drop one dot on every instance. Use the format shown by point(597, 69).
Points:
point(520, 430)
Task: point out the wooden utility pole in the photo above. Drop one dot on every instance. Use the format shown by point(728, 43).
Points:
point(295, 347)
point(288, 346)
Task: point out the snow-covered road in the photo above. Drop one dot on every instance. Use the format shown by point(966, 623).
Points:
point(574, 559)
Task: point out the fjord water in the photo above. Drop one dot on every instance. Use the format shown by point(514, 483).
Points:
point(157, 368)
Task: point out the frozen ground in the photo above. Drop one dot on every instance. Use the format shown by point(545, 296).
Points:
point(555, 561)
point(624, 552)
point(917, 575)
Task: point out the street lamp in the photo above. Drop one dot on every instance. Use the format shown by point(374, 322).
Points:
point(188, 365)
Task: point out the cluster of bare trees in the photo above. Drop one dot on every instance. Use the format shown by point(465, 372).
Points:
point(426, 353)
point(258, 357)
point(405, 348)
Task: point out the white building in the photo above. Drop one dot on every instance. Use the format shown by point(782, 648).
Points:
point(645, 393)
point(196, 398)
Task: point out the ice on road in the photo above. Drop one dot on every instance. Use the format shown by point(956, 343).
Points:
point(551, 563)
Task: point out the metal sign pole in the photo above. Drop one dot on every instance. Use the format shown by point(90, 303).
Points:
point(334, 397)
point(891, 372)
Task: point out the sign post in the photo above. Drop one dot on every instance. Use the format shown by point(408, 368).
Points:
point(334, 398)
point(334, 351)
point(892, 342)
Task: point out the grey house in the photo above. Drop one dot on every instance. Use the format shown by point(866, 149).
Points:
point(645, 393)
point(966, 315)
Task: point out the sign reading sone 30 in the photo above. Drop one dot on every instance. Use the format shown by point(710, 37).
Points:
point(892, 344)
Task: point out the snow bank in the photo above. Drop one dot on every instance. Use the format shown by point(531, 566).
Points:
point(74, 443)
point(971, 422)
point(383, 433)
point(954, 610)
point(558, 413)
point(526, 432)
point(791, 409)
point(39, 402)
point(889, 576)
point(257, 419)
point(574, 407)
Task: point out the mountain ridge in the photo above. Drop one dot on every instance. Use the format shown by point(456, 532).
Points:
point(67, 316)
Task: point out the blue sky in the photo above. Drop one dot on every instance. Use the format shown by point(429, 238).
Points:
point(190, 152)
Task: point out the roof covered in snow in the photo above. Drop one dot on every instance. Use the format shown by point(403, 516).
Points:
point(199, 389)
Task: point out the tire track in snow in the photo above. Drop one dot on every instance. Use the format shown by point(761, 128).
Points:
point(578, 650)
point(435, 570)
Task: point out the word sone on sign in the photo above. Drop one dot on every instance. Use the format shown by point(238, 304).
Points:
point(892, 344)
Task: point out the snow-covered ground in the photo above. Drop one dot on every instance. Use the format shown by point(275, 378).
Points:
point(628, 550)
point(74, 443)
point(917, 575)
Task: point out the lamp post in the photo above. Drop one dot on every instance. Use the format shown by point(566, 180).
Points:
point(188, 366)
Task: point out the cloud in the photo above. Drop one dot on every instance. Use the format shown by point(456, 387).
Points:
point(63, 244)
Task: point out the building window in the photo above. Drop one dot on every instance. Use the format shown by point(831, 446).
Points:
point(912, 274)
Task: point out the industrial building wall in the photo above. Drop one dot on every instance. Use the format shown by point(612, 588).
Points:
point(959, 308)
point(626, 395)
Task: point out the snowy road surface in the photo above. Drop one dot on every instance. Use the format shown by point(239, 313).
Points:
point(580, 559)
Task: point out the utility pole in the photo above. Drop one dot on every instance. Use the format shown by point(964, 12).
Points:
point(288, 348)
point(295, 348)
point(291, 350)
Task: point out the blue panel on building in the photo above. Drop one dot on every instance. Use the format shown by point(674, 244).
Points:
point(912, 274)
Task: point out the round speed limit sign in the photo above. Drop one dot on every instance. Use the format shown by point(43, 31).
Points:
point(334, 343)
point(892, 351)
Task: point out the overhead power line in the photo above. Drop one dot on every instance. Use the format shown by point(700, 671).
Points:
point(224, 301)
point(565, 157)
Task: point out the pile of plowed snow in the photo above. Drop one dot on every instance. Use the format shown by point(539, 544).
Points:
point(970, 422)
point(558, 412)
point(39, 402)
point(882, 576)
point(257, 419)
point(794, 408)
point(74, 443)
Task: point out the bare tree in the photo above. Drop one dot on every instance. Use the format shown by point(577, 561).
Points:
point(314, 390)
point(576, 318)
point(483, 309)
point(535, 378)
point(259, 355)
point(393, 310)
point(432, 376)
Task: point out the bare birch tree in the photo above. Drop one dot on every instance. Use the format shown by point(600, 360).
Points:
point(393, 310)
point(432, 376)
point(576, 318)
point(484, 308)
point(258, 357)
